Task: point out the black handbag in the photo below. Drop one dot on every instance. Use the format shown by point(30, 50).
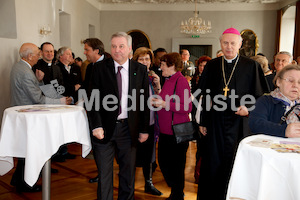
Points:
point(184, 132)
point(187, 131)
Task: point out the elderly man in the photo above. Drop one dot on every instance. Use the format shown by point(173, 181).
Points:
point(188, 66)
point(25, 91)
point(122, 119)
point(224, 119)
point(282, 59)
point(71, 74)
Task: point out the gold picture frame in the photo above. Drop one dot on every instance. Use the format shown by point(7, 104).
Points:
point(250, 43)
point(139, 39)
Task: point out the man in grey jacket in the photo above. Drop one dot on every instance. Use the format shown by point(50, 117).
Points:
point(25, 90)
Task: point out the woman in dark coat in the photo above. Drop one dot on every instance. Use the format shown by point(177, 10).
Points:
point(278, 114)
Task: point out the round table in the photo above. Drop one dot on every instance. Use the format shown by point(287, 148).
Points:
point(261, 173)
point(35, 132)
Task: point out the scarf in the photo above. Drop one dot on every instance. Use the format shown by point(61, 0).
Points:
point(292, 115)
point(156, 126)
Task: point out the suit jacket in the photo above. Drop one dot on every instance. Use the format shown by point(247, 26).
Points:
point(70, 79)
point(25, 88)
point(104, 79)
point(87, 82)
point(51, 72)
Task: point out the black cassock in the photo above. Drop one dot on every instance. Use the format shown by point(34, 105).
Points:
point(225, 129)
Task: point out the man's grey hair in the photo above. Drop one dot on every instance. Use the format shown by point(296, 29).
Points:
point(25, 52)
point(286, 53)
point(125, 35)
point(61, 51)
point(240, 38)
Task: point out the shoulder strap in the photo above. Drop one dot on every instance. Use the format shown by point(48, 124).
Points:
point(284, 117)
point(174, 98)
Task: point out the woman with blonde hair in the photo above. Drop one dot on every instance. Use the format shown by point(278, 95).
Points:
point(146, 155)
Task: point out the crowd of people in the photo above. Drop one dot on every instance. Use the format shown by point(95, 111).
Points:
point(131, 135)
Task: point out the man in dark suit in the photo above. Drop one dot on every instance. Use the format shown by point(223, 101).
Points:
point(71, 74)
point(94, 51)
point(122, 119)
point(72, 82)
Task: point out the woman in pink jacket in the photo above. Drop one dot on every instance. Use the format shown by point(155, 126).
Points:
point(172, 156)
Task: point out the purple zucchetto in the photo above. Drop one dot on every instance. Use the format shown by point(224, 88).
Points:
point(232, 31)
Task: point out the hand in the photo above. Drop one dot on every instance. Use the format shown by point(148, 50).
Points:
point(293, 130)
point(143, 137)
point(203, 130)
point(39, 74)
point(77, 86)
point(156, 79)
point(158, 103)
point(98, 133)
point(188, 78)
point(66, 100)
point(156, 83)
point(242, 111)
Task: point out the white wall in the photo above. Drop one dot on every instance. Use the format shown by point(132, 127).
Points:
point(163, 26)
point(30, 15)
point(288, 30)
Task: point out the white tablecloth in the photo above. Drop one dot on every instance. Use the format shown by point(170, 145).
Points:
point(37, 135)
point(263, 173)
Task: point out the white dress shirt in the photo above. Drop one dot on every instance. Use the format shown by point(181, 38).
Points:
point(125, 85)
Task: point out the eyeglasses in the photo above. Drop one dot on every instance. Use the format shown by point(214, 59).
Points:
point(291, 80)
point(144, 59)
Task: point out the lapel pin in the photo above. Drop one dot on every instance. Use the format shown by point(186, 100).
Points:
point(134, 73)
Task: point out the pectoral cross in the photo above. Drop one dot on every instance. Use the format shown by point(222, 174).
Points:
point(226, 89)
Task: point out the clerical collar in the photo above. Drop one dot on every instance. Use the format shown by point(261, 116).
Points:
point(230, 60)
point(49, 64)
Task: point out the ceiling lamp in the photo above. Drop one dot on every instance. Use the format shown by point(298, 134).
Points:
point(195, 25)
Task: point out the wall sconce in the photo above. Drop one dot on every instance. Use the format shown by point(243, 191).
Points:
point(45, 30)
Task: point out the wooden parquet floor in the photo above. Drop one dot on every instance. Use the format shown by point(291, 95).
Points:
point(72, 180)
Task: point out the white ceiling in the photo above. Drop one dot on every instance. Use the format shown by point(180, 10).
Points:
point(188, 5)
point(189, 1)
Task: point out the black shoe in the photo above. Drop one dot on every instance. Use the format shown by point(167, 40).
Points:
point(58, 158)
point(13, 182)
point(54, 171)
point(174, 196)
point(94, 180)
point(149, 188)
point(69, 156)
point(35, 188)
